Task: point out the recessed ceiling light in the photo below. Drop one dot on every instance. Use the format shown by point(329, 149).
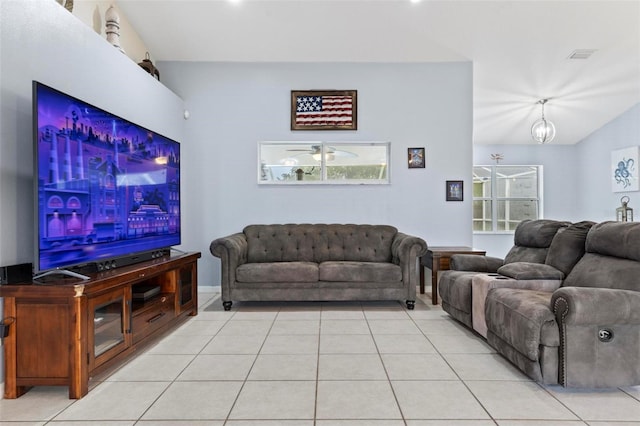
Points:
point(581, 53)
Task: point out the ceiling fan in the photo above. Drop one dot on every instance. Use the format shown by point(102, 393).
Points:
point(330, 152)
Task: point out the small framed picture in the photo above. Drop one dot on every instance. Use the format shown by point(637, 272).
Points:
point(454, 190)
point(416, 158)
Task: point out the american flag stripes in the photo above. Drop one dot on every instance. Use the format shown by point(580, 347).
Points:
point(327, 110)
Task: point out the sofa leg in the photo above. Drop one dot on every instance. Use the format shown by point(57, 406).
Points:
point(411, 304)
point(227, 305)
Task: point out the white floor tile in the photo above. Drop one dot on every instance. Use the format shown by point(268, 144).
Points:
point(403, 344)
point(180, 345)
point(152, 367)
point(347, 343)
point(350, 367)
point(356, 400)
point(218, 367)
point(341, 326)
point(275, 400)
point(417, 367)
point(230, 344)
point(115, 401)
point(39, 403)
point(484, 367)
point(437, 400)
point(290, 344)
point(211, 400)
point(526, 400)
point(285, 367)
point(392, 326)
point(599, 405)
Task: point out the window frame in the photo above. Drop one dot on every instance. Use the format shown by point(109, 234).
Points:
point(322, 162)
point(494, 199)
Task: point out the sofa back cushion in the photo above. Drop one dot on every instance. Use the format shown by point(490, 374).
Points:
point(568, 246)
point(319, 242)
point(532, 239)
point(611, 259)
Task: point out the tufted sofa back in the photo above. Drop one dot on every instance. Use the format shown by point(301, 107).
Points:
point(611, 259)
point(319, 242)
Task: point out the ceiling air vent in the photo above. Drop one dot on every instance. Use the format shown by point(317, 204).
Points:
point(581, 53)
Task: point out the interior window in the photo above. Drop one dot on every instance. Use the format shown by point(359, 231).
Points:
point(323, 162)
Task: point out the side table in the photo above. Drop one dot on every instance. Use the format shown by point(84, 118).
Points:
point(437, 259)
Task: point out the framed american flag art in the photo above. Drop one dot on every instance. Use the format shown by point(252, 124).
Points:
point(324, 110)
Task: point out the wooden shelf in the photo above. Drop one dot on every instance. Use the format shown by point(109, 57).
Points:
point(69, 330)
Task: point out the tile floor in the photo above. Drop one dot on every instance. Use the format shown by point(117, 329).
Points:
point(324, 364)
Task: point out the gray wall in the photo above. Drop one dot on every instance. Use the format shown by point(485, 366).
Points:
point(235, 105)
point(41, 41)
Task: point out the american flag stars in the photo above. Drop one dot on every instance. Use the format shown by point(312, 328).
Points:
point(306, 103)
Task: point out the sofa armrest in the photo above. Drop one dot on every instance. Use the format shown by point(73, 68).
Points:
point(405, 252)
point(599, 339)
point(530, 271)
point(470, 262)
point(232, 251)
point(586, 306)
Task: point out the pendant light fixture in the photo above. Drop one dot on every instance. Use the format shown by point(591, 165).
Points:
point(543, 131)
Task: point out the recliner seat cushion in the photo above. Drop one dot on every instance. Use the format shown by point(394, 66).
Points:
point(523, 319)
point(277, 272)
point(359, 271)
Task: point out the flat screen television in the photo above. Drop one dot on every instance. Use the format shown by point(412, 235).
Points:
point(105, 188)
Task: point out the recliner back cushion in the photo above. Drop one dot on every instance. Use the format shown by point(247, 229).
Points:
point(319, 242)
point(612, 258)
point(568, 246)
point(532, 239)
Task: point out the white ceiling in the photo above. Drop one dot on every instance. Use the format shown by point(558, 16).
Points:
point(519, 49)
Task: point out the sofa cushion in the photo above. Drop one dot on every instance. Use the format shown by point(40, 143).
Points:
point(523, 319)
point(359, 271)
point(277, 272)
point(568, 246)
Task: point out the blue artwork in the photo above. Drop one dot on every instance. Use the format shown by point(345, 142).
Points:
point(624, 165)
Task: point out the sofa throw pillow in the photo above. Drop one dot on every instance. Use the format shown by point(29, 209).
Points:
point(568, 246)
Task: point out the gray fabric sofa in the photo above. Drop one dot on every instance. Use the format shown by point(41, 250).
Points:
point(532, 239)
point(317, 262)
point(587, 332)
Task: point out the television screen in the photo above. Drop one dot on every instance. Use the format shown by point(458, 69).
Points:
point(105, 187)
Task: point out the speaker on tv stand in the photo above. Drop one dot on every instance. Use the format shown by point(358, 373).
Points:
point(130, 260)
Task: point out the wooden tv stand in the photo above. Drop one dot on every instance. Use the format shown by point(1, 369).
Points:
point(66, 330)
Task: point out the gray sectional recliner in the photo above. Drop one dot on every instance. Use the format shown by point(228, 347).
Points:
point(585, 332)
point(317, 262)
point(532, 239)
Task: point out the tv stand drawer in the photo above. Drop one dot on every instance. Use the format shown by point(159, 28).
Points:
point(152, 316)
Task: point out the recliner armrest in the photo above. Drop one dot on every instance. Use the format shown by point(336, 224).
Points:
point(587, 306)
point(470, 262)
point(599, 337)
point(530, 271)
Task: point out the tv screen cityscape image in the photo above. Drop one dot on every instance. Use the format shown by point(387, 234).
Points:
point(105, 187)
